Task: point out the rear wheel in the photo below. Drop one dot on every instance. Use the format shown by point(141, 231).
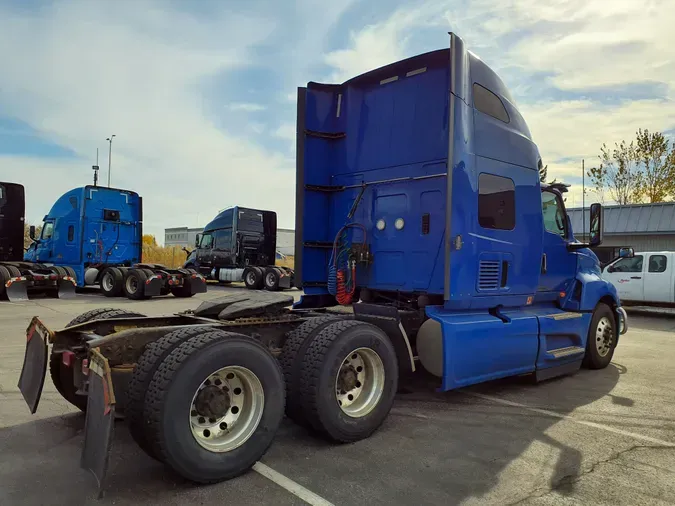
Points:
point(134, 284)
point(601, 340)
point(63, 376)
point(4, 277)
point(271, 279)
point(14, 271)
point(292, 353)
point(147, 365)
point(112, 282)
point(214, 406)
point(348, 380)
point(253, 278)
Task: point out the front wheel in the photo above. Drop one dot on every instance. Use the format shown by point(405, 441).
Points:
point(601, 340)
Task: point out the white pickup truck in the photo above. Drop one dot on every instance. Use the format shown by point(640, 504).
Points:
point(647, 277)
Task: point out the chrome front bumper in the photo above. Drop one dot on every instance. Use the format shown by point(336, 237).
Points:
point(622, 318)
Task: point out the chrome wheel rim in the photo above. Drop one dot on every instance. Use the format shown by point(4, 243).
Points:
point(107, 282)
point(226, 409)
point(360, 382)
point(604, 336)
point(250, 278)
point(269, 279)
point(132, 284)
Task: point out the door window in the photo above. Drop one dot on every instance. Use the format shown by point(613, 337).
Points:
point(658, 263)
point(224, 239)
point(47, 230)
point(207, 241)
point(555, 220)
point(628, 264)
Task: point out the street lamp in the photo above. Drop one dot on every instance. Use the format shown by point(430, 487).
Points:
point(109, 139)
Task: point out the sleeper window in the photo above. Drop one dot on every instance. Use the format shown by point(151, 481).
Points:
point(496, 202)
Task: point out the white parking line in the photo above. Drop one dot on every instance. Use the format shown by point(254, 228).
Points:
point(294, 488)
point(553, 414)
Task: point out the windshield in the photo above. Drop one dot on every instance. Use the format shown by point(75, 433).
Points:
point(47, 230)
point(207, 241)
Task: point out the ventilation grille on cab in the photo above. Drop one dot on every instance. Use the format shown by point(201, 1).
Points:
point(489, 274)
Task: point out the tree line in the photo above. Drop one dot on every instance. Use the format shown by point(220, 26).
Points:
point(642, 171)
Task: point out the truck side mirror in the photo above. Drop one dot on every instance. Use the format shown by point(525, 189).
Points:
point(197, 239)
point(31, 232)
point(626, 253)
point(595, 232)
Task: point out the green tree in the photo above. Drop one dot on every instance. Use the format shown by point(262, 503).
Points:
point(656, 179)
point(618, 173)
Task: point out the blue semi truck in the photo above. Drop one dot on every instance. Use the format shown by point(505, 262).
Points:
point(419, 208)
point(96, 234)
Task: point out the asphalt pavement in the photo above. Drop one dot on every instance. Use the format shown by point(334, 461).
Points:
point(597, 437)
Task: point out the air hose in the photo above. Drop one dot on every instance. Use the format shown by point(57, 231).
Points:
point(342, 268)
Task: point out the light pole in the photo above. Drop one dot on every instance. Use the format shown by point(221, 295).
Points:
point(109, 139)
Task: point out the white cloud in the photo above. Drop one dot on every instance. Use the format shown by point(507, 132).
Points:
point(246, 107)
point(76, 80)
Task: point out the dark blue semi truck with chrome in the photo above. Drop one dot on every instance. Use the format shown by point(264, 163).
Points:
point(419, 208)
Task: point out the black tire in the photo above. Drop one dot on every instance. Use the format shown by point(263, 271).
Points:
point(112, 282)
point(602, 338)
point(62, 376)
point(322, 362)
point(59, 271)
point(71, 272)
point(150, 360)
point(14, 272)
point(253, 278)
point(173, 386)
point(271, 279)
point(134, 284)
point(292, 353)
point(4, 277)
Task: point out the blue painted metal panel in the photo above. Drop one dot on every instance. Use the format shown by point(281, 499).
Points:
point(81, 236)
point(480, 347)
point(560, 329)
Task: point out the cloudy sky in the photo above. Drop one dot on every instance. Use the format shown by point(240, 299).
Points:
point(201, 93)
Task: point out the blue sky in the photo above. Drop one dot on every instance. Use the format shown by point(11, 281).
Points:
point(204, 91)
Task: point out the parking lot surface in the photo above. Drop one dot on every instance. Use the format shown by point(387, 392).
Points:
point(598, 437)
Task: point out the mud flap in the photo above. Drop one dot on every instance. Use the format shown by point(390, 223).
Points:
point(66, 288)
point(34, 368)
point(153, 286)
point(100, 420)
point(17, 289)
point(197, 284)
point(285, 281)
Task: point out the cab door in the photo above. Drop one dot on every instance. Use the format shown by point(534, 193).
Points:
point(558, 264)
point(657, 284)
point(627, 276)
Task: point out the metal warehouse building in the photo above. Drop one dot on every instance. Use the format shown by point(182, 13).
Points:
point(643, 227)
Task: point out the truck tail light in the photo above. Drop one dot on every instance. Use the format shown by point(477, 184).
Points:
point(85, 367)
point(67, 358)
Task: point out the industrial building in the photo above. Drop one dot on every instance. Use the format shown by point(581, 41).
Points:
point(643, 227)
point(184, 237)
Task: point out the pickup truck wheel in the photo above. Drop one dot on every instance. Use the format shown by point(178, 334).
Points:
point(134, 284)
point(112, 282)
point(63, 376)
point(214, 405)
point(147, 365)
point(601, 340)
point(348, 380)
point(292, 353)
point(253, 278)
point(271, 279)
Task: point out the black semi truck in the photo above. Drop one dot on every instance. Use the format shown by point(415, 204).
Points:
point(240, 244)
point(17, 277)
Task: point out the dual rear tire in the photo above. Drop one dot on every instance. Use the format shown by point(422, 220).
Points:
point(206, 403)
point(257, 278)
